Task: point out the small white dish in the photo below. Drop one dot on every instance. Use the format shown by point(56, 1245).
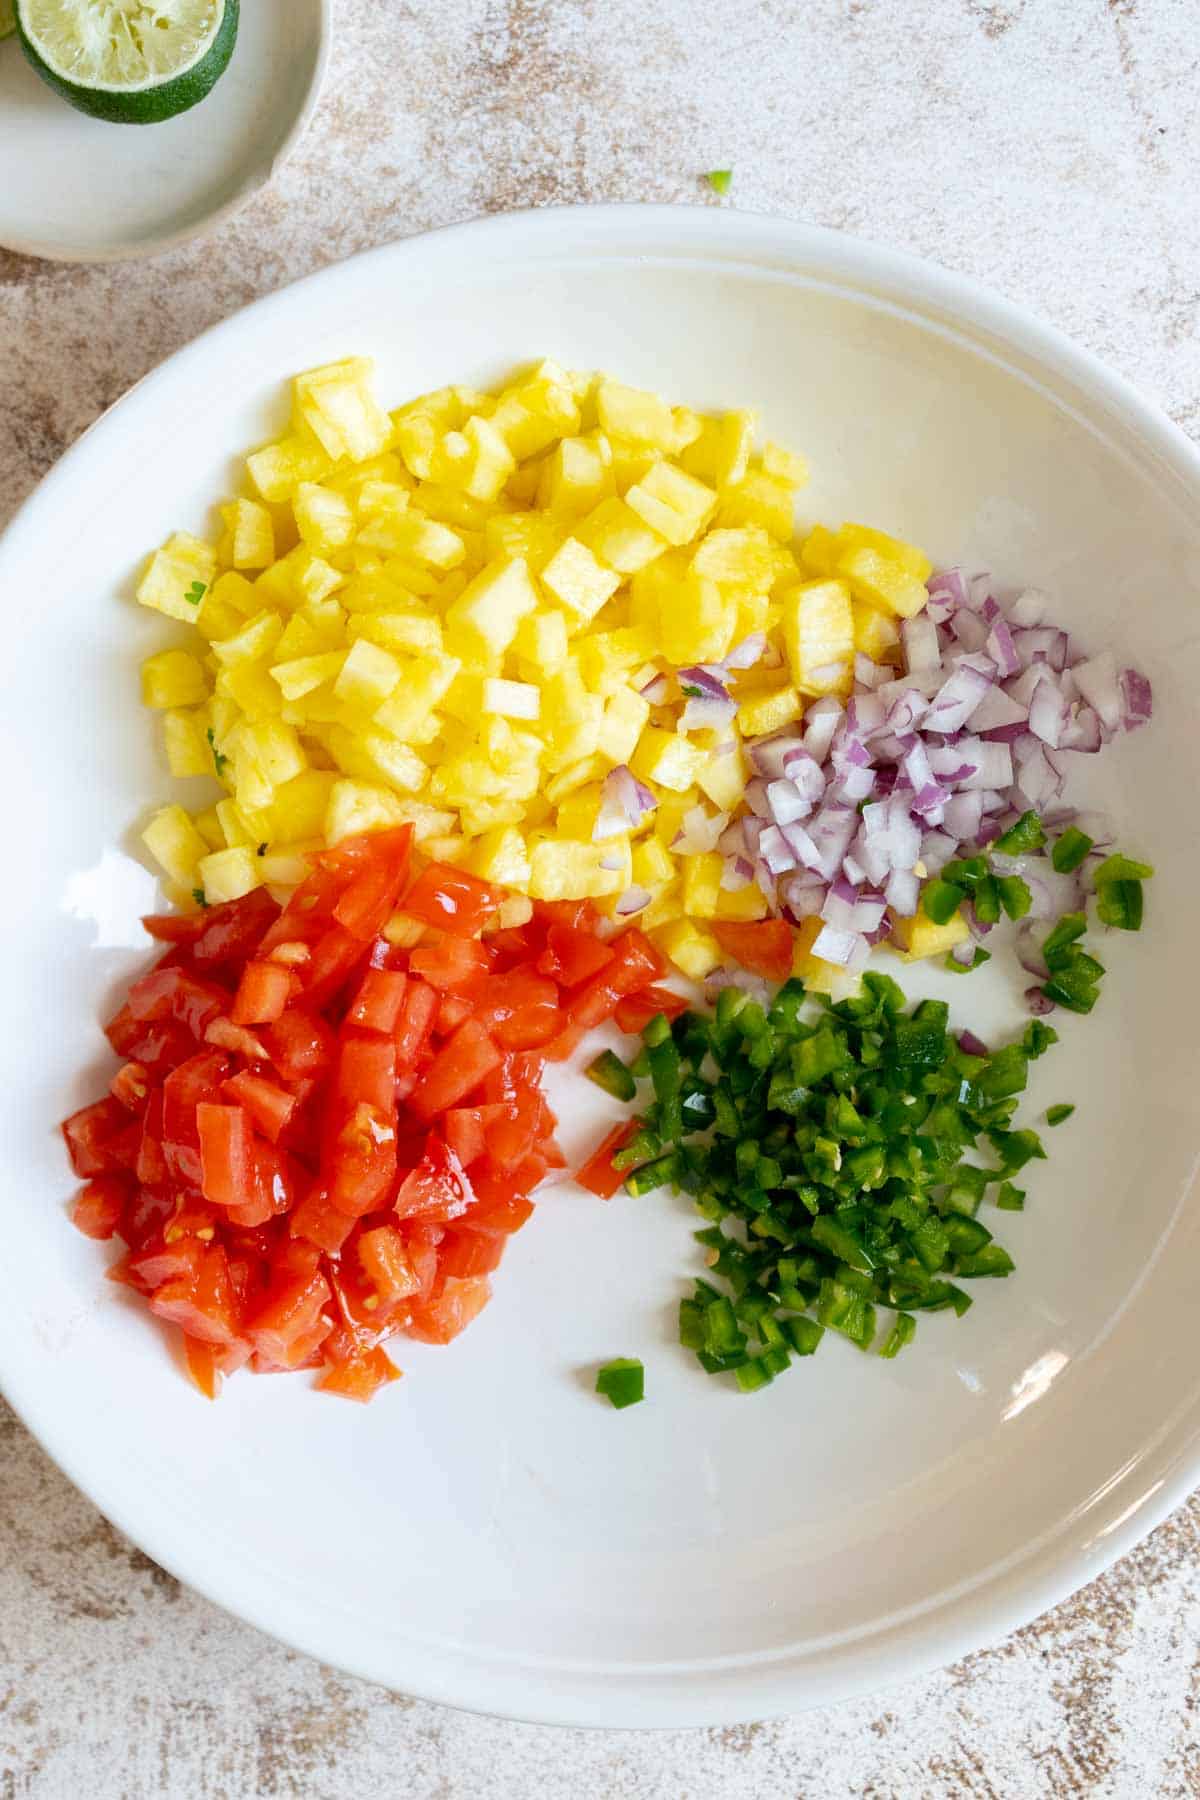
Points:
point(80, 190)
point(488, 1533)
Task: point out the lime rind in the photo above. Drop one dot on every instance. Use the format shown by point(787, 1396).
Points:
point(8, 19)
point(129, 61)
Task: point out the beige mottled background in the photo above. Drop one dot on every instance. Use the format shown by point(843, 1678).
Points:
point(1049, 147)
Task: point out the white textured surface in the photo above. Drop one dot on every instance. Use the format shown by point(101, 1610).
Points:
point(1045, 146)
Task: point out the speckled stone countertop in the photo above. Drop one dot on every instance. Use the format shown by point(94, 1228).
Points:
point(1048, 147)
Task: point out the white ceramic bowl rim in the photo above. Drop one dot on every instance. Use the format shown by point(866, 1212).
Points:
point(1049, 1569)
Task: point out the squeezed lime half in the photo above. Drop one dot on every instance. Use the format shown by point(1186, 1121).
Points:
point(132, 62)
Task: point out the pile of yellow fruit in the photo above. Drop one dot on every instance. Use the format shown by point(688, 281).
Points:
point(448, 614)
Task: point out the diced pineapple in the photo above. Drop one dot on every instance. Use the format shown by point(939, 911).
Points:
point(266, 753)
point(424, 681)
point(577, 815)
point(325, 518)
point(175, 844)
point(746, 558)
point(881, 582)
point(286, 865)
point(476, 459)
point(249, 538)
point(820, 550)
point(744, 904)
point(575, 576)
point(919, 937)
point(633, 413)
point(403, 931)
point(367, 677)
point(697, 620)
point(876, 633)
point(235, 827)
point(377, 756)
point(514, 911)
point(356, 806)
point(768, 712)
point(567, 869)
point(252, 691)
point(910, 558)
point(619, 537)
point(530, 536)
point(724, 775)
point(483, 621)
point(668, 759)
point(229, 602)
point(501, 856)
point(415, 537)
point(569, 779)
point(702, 883)
point(185, 744)
point(670, 813)
point(178, 576)
point(664, 909)
point(278, 469)
point(653, 864)
point(228, 874)
point(606, 657)
point(452, 848)
point(818, 632)
point(785, 464)
point(693, 950)
point(575, 477)
point(735, 442)
point(304, 673)
point(254, 642)
point(511, 699)
point(209, 826)
point(625, 716)
point(541, 640)
point(298, 809)
point(672, 502)
point(338, 407)
point(760, 499)
point(173, 678)
point(405, 631)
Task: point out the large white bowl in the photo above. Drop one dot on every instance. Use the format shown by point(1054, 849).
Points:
point(489, 1533)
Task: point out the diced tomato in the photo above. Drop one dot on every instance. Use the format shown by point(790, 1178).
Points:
point(635, 1011)
point(453, 1010)
point(511, 1137)
point(337, 957)
point(193, 1082)
point(460, 1065)
point(159, 1261)
point(421, 1240)
point(573, 954)
point(226, 1153)
point(157, 1046)
point(464, 1128)
point(299, 1044)
point(202, 1366)
point(320, 1221)
point(520, 1009)
point(270, 1107)
point(504, 1214)
point(360, 1154)
point(271, 1188)
point(359, 1377)
point(378, 1003)
point(282, 1328)
point(597, 1173)
point(565, 1043)
point(145, 1214)
point(452, 962)
point(223, 1034)
point(151, 1165)
point(765, 948)
point(367, 902)
point(438, 1320)
point(100, 1206)
point(174, 928)
point(451, 899)
point(263, 991)
point(415, 1022)
point(95, 1138)
point(202, 1303)
point(465, 1252)
point(171, 993)
point(231, 933)
point(131, 1086)
point(438, 1188)
point(635, 963)
point(386, 1266)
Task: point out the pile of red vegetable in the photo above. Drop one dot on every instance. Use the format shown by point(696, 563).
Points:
point(318, 1140)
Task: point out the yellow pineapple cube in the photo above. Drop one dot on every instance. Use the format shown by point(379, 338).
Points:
point(569, 869)
point(501, 856)
point(278, 469)
point(483, 621)
point(368, 675)
point(882, 582)
point(576, 577)
point(235, 827)
point(300, 638)
point(910, 557)
point(633, 413)
point(606, 657)
point(625, 716)
point(735, 442)
point(760, 499)
point(668, 759)
point(818, 632)
point(664, 909)
point(302, 674)
point(249, 538)
point(337, 405)
point(414, 537)
point(173, 678)
point(405, 631)
point(298, 809)
point(266, 753)
point(724, 775)
point(228, 874)
point(746, 558)
point(702, 883)
point(653, 864)
point(763, 713)
point(403, 931)
point(286, 865)
point(820, 550)
point(570, 779)
point(248, 685)
point(697, 620)
point(619, 537)
point(425, 679)
point(670, 813)
point(324, 518)
point(175, 844)
point(694, 951)
point(918, 937)
point(356, 806)
point(511, 699)
point(178, 576)
point(476, 459)
point(256, 640)
point(785, 464)
point(530, 536)
point(745, 904)
point(209, 826)
point(377, 756)
point(576, 476)
point(672, 502)
point(876, 633)
point(577, 815)
point(185, 744)
point(541, 641)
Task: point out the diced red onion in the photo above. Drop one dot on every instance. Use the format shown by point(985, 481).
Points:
point(1029, 608)
point(970, 1045)
point(632, 900)
point(834, 946)
point(699, 831)
point(958, 697)
point(963, 817)
point(1083, 732)
point(705, 713)
point(1098, 682)
point(947, 591)
point(853, 785)
point(865, 714)
point(1038, 1002)
point(970, 629)
point(624, 803)
point(994, 769)
point(1042, 643)
point(820, 723)
point(657, 690)
point(786, 802)
point(868, 674)
point(920, 640)
point(738, 873)
point(701, 676)
point(902, 892)
point(769, 754)
point(805, 772)
point(998, 711)
point(1048, 714)
point(748, 652)
point(964, 953)
point(939, 847)
point(803, 895)
point(610, 863)
point(1137, 699)
point(756, 797)
point(1002, 649)
point(775, 851)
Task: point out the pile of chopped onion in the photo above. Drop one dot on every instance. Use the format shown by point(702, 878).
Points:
point(850, 813)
